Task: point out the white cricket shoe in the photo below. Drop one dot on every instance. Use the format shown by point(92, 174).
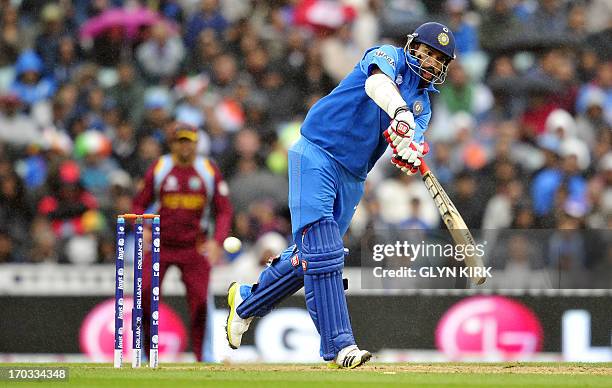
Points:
point(236, 326)
point(351, 357)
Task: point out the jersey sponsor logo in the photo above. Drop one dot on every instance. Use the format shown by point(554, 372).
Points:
point(183, 201)
point(417, 107)
point(171, 183)
point(295, 261)
point(384, 55)
point(194, 183)
point(443, 38)
point(304, 265)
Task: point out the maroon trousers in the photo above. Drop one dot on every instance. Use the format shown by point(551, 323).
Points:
point(195, 274)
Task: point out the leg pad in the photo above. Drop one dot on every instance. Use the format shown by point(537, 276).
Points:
point(323, 253)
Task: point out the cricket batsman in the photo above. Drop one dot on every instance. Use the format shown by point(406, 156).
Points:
point(342, 137)
point(186, 190)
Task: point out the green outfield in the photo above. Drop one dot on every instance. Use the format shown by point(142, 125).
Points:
point(522, 375)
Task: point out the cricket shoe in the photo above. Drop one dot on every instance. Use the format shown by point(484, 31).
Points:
point(236, 326)
point(351, 357)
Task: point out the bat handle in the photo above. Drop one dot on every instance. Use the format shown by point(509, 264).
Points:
point(423, 168)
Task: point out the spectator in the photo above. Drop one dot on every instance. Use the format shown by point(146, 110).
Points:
point(93, 150)
point(15, 211)
point(249, 180)
point(576, 20)
point(9, 36)
point(128, 93)
point(566, 251)
point(124, 147)
point(499, 25)
point(598, 15)
point(209, 16)
point(67, 202)
point(549, 18)
point(158, 106)
point(591, 123)
point(416, 219)
point(205, 52)
point(315, 80)
point(8, 253)
point(65, 68)
point(339, 53)
point(110, 47)
point(395, 196)
point(467, 199)
point(161, 56)
point(30, 84)
point(47, 43)
point(16, 128)
point(462, 94)
point(500, 209)
point(224, 75)
point(191, 109)
point(601, 83)
point(149, 150)
point(466, 35)
point(44, 246)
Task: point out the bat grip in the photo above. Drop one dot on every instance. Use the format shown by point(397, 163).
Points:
point(423, 168)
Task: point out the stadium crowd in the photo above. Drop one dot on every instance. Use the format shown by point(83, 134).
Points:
point(520, 135)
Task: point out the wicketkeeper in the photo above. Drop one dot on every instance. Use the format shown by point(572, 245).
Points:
point(186, 190)
point(343, 136)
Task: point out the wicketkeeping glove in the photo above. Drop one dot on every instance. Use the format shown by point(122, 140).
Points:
point(409, 160)
point(401, 131)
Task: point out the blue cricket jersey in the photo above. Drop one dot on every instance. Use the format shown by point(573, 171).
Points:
point(348, 124)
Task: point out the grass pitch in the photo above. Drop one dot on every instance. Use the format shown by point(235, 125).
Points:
point(296, 376)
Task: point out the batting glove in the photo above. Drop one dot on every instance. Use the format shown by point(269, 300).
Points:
point(401, 131)
point(409, 160)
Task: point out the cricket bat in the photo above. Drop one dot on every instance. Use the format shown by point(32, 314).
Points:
point(453, 221)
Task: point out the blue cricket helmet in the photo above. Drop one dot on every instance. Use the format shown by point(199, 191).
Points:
point(440, 38)
point(436, 36)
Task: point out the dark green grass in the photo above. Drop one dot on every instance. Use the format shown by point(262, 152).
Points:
point(522, 375)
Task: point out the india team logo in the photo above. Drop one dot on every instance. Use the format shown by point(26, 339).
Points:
point(443, 38)
point(417, 108)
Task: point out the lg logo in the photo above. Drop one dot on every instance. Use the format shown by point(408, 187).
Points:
point(284, 335)
point(493, 327)
point(576, 341)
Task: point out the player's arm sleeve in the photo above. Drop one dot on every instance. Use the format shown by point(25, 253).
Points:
point(380, 65)
point(145, 195)
point(222, 207)
point(384, 57)
point(422, 123)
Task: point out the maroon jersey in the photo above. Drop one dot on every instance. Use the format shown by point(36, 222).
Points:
point(187, 199)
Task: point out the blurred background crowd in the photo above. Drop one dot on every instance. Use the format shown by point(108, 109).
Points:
point(520, 135)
